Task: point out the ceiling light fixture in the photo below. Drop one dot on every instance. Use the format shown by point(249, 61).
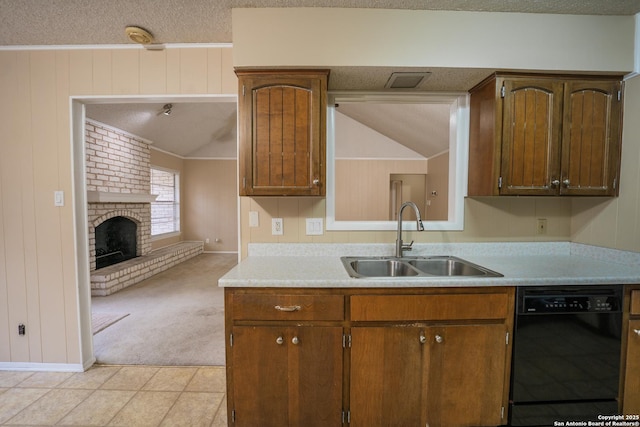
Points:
point(166, 110)
point(139, 35)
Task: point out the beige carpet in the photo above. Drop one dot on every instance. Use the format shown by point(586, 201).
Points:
point(101, 321)
point(175, 317)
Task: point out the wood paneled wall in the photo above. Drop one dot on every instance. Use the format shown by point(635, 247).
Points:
point(38, 277)
point(363, 193)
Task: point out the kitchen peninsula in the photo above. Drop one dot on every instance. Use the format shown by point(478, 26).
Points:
point(309, 344)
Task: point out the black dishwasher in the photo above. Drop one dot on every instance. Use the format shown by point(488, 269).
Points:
point(566, 354)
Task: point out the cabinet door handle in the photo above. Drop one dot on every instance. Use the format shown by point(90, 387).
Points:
point(288, 308)
point(279, 340)
point(423, 339)
point(295, 340)
point(439, 339)
point(637, 332)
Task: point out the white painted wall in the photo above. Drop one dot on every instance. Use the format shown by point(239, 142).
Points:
point(381, 37)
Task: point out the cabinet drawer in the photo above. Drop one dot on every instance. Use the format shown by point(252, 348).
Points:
point(635, 302)
point(288, 307)
point(429, 307)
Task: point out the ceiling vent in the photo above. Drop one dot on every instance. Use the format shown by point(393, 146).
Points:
point(406, 80)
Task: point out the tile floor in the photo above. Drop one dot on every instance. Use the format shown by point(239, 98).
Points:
point(108, 395)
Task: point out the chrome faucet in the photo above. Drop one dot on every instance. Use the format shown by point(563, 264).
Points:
point(400, 247)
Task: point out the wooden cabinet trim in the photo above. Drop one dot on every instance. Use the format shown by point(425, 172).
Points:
point(631, 393)
point(635, 302)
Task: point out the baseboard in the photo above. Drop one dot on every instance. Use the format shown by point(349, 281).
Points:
point(49, 367)
point(89, 363)
point(220, 252)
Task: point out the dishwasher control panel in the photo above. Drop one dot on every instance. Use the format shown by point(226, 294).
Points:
point(538, 301)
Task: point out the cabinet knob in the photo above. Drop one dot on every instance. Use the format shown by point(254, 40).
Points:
point(439, 339)
point(316, 181)
point(637, 332)
point(279, 340)
point(423, 339)
point(555, 182)
point(295, 340)
point(566, 182)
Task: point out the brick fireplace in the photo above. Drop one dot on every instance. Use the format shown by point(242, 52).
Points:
point(118, 187)
point(118, 183)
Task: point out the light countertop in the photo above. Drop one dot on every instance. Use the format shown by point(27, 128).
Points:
point(521, 264)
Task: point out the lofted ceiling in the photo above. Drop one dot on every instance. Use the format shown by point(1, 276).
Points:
point(208, 129)
point(192, 130)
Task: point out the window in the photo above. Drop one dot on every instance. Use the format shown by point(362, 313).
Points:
point(165, 211)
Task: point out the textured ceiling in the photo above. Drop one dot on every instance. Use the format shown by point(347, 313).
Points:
point(204, 129)
point(67, 22)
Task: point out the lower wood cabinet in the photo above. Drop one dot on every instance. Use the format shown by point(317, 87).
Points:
point(631, 379)
point(287, 375)
point(386, 357)
point(437, 376)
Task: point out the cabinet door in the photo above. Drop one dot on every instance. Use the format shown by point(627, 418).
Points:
point(467, 375)
point(532, 115)
point(631, 404)
point(591, 138)
point(282, 135)
point(388, 376)
point(287, 376)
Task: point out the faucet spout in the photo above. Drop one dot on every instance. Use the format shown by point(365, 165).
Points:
point(400, 246)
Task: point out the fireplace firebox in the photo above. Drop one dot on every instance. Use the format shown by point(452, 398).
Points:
point(116, 241)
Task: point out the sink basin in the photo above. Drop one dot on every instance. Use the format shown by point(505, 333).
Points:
point(447, 266)
point(436, 266)
point(381, 268)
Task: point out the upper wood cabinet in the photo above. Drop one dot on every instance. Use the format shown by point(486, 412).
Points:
point(282, 122)
point(545, 135)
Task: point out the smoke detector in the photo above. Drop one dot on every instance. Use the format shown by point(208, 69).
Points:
point(404, 80)
point(139, 35)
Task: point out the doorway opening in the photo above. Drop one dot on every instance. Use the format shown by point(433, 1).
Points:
point(113, 246)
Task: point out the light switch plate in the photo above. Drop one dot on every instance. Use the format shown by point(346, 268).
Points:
point(254, 219)
point(58, 198)
point(314, 227)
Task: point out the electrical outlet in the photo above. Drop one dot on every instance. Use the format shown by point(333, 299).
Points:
point(276, 226)
point(22, 330)
point(542, 226)
point(206, 240)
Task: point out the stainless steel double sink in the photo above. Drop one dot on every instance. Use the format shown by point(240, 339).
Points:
point(430, 266)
